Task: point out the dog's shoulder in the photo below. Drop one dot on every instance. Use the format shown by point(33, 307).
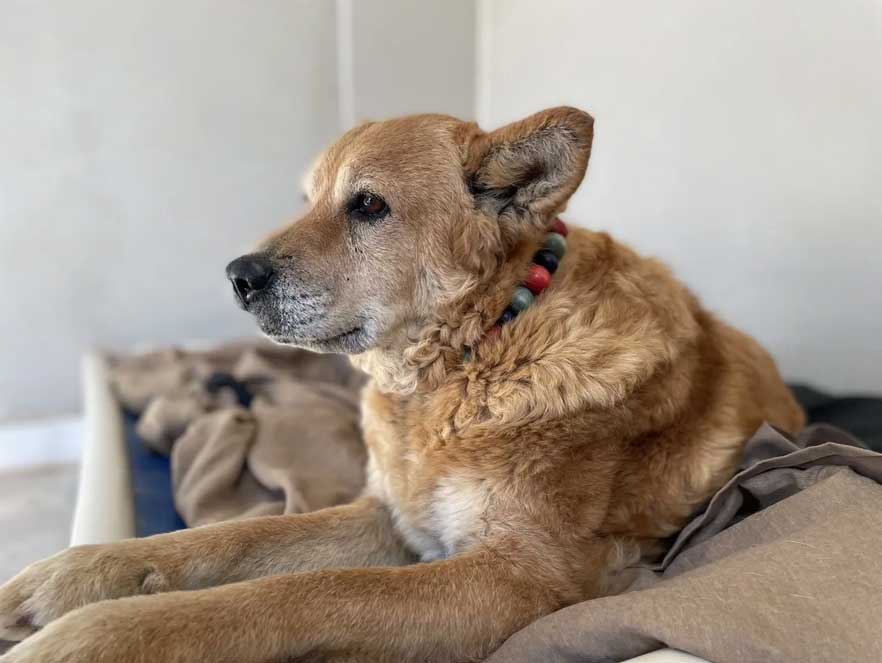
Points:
point(610, 320)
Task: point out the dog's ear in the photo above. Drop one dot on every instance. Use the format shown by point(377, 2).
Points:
point(530, 168)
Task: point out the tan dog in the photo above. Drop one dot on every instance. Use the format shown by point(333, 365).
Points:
point(528, 468)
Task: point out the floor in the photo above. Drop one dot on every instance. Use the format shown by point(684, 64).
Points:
point(36, 508)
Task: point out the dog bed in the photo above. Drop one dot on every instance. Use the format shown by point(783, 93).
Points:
point(663, 609)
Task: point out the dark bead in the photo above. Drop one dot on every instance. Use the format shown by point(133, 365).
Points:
point(546, 259)
point(508, 315)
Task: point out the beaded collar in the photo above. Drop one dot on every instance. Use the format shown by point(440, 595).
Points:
point(545, 262)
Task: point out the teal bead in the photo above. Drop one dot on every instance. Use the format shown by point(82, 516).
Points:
point(521, 298)
point(556, 243)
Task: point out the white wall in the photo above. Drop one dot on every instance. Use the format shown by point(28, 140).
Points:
point(412, 57)
point(147, 142)
point(740, 141)
point(144, 144)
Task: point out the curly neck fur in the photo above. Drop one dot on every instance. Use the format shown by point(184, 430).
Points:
point(572, 350)
point(421, 355)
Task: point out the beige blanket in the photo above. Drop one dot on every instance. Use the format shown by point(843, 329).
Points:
point(295, 448)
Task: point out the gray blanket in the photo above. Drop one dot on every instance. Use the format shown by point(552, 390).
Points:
point(785, 564)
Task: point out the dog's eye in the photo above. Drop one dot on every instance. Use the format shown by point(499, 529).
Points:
point(368, 206)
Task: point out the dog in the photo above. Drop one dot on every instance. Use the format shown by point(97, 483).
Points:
point(527, 445)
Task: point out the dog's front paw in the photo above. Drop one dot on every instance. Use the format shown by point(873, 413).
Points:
point(178, 627)
point(96, 632)
point(46, 590)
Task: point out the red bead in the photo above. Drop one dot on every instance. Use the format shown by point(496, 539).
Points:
point(559, 226)
point(537, 279)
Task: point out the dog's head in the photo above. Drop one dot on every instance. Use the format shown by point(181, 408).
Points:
point(406, 216)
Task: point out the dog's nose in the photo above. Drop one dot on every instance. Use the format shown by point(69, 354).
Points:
point(249, 275)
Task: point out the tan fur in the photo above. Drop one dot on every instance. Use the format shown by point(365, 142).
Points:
point(527, 478)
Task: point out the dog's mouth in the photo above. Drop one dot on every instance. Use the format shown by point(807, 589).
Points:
point(336, 339)
point(351, 341)
point(342, 337)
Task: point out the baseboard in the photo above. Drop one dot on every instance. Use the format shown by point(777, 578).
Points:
point(41, 442)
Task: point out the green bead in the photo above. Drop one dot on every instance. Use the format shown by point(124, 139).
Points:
point(521, 298)
point(556, 243)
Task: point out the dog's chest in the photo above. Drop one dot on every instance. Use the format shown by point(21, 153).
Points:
point(438, 509)
point(445, 520)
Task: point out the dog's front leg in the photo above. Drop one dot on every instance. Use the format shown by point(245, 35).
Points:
point(453, 610)
point(358, 534)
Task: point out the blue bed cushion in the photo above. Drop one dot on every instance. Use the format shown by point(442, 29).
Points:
point(151, 482)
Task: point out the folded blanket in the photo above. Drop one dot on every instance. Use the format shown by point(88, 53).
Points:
point(252, 429)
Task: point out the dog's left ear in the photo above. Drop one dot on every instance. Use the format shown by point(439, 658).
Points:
point(530, 168)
